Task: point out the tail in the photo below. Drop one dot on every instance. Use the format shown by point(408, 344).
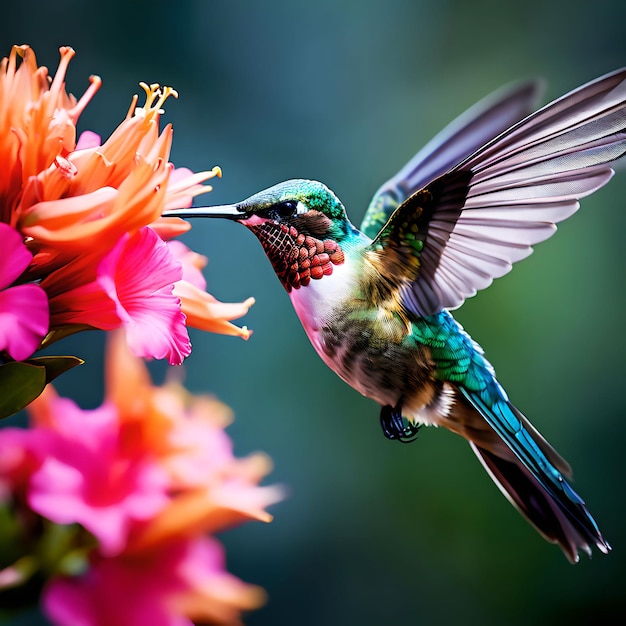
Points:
point(529, 472)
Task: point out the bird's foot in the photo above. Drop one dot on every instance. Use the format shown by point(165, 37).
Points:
point(395, 426)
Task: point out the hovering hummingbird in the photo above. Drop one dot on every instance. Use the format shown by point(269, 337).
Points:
point(375, 302)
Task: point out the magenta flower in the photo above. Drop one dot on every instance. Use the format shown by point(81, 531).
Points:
point(23, 308)
point(90, 476)
point(139, 276)
point(191, 261)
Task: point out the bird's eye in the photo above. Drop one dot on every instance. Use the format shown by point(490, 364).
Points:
point(285, 210)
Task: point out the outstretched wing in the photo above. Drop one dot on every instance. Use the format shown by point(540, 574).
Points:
point(471, 130)
point(472, 223)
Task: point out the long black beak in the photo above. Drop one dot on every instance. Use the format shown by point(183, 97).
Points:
point(228, 211)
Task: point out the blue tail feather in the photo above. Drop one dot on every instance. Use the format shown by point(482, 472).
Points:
point(530, 479)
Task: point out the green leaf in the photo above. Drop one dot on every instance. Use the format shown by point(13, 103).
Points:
point(56, 365)
point(20, 384)
point(22, 381)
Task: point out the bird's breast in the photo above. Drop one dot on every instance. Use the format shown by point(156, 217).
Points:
point(370, 348)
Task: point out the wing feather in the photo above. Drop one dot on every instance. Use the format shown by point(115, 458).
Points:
point(488, 211)
point(471, 130)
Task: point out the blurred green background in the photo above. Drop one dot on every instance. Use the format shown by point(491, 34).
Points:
point(375, 532)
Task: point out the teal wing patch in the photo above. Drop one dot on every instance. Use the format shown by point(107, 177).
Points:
point(380, 209)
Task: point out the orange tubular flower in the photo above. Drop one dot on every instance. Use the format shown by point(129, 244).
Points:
point(37, 121)
point(73, 201)
point(100, 193)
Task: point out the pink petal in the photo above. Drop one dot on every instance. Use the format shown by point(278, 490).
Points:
point(157, 330)
point(139, 276)
point(205, 557)
point(103, 498)
point(88, 304)
point(179, 174)
point(23, 320)
point(119, 591)
point(191, 261)
point(88, 139)
point(65, 602)
point(145, 265)
point(90, 478)
point(14, 258)
point(21, 452)
point(183, 185)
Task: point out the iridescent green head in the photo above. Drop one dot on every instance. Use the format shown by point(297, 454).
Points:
point(300, 223)
point(309, 206)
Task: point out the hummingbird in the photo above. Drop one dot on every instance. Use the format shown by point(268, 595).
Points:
point(375, 302)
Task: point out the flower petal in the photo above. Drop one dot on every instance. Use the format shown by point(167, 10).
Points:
point(89, 477)
point(88, 304)
point(23, 320)
point(205, 312)
point(15, 256)
point(192, 263)
point(158, 331)
point(184, 185)
point(139, 276)
point(88, 139)
point(67, 219)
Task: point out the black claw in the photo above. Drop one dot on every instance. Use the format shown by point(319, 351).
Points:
point(396, 427)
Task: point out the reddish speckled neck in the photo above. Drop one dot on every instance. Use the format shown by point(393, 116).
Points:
point(297, 258)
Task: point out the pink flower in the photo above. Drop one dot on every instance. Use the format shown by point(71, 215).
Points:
point(192, 263)
point(23, 308)
point(88, 476)
point(133, 289)
point(180, 582)
point(21, 452)
point(147, 475)
point(139, 276)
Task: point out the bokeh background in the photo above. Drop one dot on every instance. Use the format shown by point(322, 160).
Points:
point(375, 532)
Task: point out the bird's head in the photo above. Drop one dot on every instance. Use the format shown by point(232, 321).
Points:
point(301, 225)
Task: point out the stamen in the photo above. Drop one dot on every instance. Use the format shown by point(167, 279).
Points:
point(16, 51)
point(10, 66)
point(155, 97)
point(96, 83)
point(67, 54)
point(131, 108)
point(165, 93)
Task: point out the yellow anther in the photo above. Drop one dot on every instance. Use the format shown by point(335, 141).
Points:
point(155, 97)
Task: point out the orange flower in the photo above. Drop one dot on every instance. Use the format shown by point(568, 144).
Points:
point(88, 196)
point(75, 201)
point(37, 121)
